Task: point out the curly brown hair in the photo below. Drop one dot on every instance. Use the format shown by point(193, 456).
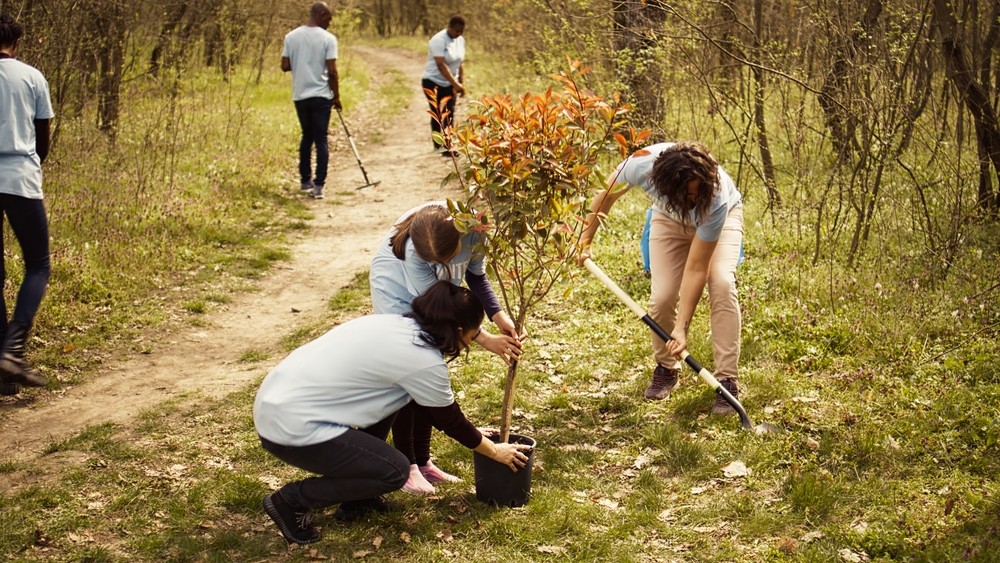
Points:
point(678, 166)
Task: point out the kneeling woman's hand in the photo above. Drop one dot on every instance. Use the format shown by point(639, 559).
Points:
point(507, 347)
point(510, 455)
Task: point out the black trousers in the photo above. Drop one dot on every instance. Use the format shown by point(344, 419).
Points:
point(356, 466)
point(314, 117)
point(442, 93)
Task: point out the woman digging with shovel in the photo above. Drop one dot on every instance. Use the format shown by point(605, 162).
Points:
point(327, 408)
point(423, 247)
point(696, 234)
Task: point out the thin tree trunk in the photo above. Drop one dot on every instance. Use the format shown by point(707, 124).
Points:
point(773, 196)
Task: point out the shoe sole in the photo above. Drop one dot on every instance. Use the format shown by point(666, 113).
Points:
point(8, 389)
point(16, 374)
point(272, 512)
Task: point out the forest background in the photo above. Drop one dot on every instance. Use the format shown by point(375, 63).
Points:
point(863, 134)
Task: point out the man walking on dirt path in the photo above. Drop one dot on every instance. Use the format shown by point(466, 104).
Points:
point(310, 54)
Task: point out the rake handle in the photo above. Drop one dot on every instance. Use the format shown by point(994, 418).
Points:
point(702, 372)
point(353, 146)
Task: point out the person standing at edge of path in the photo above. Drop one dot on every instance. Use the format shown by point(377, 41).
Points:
point(696, 233)
point(25, 111)
point(328, 406)
point(445, 56)
point(310, 53)
point(422, 247)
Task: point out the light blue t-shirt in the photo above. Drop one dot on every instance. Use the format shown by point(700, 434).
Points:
point(355, 375)
point(24, 97)
point(637, 171)
point(453, 51)
point(308, 49)
point(396, 283)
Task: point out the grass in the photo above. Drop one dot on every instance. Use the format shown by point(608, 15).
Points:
point(898, 468)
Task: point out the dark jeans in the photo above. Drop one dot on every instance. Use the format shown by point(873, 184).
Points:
point(356, 466)
point(31, 228)
point(314, 117)
point(411, 434)
point(442, 93)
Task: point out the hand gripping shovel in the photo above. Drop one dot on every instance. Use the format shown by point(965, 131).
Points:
point(354, 147)
point(706, 376)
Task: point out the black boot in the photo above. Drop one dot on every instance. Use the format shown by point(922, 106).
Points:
point(13, 367)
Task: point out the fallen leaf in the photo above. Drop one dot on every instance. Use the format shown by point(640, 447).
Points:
point(859, 526)
point(811, 536)
point(736, 469)
point(554, 549)
point(206, 525)
point(642, 461)
point(608, 503)
point(698, 490)
point(812, 444)
point(452, 519)
point(949, 505)
point(445, 535)
point(69, 348)
point(360, 554)
point(705, 529)
point(666, 516)
point(404, 537)
point(851, 556)
point(377, 542)
point(788, 545)
point(313, 554)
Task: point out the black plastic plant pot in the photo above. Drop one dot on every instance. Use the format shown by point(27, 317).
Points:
point(497, 484)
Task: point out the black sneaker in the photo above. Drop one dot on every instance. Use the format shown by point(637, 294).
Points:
point(356, 509)
point(664, 381)
point(295, 524)
point(721, 407)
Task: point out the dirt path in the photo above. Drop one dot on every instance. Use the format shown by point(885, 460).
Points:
point(339, 244)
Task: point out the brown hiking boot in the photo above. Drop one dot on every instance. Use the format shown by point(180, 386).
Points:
point(664, 381)
point(13, 367)
point(721, 407)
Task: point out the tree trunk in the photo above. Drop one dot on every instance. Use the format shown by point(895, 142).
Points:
point(111, 61)
point(773, 196)
point(637, 24)
point(974, 95)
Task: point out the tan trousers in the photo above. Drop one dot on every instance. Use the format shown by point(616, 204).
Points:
point(669, 243)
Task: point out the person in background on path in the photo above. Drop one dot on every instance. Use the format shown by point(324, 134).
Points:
point(696, 234)
point(327, 407)
point(445, 56)
point(421, 248)
point(310, 53)
point(25, 111)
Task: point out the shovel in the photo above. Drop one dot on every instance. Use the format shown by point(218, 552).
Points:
point(706, 376)
point(354, 147)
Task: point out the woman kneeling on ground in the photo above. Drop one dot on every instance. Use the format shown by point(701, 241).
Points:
point(327, 408)
point(421, 248)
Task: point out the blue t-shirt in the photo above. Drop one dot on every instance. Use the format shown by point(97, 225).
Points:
point(355, 375)
point(24, 97)
point(396, 283)
point(308, 49)
point(453, 51)
point(637, 171)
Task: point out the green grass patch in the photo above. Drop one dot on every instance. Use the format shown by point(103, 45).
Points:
point(253, 356)
point(356, 296)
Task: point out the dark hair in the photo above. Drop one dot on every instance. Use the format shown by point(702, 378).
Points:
point(455, 20)
point(10, 30)
point(441, 311)
point(433, 231)
point(676, 167)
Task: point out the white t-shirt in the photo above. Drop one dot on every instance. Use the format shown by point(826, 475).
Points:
point(308, 49)
point(637, 171)
point(396, 283)
point(355, 375)
point(453, 51)
point(24, 97)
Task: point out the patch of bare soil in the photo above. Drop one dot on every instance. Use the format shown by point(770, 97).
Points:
point(340, 243)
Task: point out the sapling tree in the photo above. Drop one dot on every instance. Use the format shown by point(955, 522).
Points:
point(529, 165)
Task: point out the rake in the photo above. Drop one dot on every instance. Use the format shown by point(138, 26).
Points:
point(368, 183)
